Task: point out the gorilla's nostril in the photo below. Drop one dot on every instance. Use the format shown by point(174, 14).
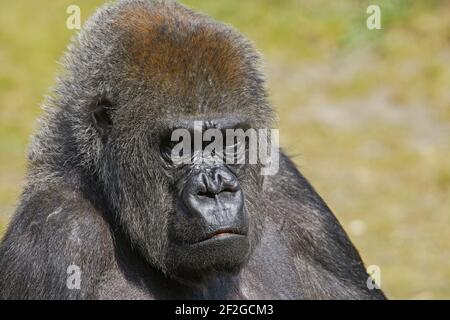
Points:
point(204, 179)
point(213, 190)
point(206, 194)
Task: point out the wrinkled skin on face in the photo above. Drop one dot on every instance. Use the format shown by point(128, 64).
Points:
point(190, 220)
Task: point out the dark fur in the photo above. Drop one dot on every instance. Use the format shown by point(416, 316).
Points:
point(99, 198)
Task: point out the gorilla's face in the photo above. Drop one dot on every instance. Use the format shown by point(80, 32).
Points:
point(191, 213)
point(209, 223)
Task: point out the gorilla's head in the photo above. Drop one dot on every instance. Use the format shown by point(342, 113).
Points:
point(138, 71)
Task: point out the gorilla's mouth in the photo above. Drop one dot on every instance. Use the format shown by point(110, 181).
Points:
point(223, 234)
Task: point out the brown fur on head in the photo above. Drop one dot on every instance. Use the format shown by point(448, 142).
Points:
point(172, 45)
point(186, 56)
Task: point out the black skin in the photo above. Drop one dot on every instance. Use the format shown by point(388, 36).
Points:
point(103, 194)
point(210, 218)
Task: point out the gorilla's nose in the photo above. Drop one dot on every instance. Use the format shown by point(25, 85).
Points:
point(216, 197)
point(215, 182)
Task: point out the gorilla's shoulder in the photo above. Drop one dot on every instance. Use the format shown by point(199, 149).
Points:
point(59, 206)
point(290, 183)
point(53, 228)
point(56, 218)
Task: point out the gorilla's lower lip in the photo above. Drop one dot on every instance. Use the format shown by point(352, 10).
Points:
point(222, 234)
point(223, 237)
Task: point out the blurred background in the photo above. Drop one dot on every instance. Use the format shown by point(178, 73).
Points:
point(364, 113)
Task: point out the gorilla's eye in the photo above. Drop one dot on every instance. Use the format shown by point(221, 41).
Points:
point(236, 151)
point(166, 147)
point(101, 117)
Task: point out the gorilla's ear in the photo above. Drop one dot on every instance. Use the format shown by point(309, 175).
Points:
point(101, 117)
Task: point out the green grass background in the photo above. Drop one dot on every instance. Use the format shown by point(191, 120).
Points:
point(365, 114)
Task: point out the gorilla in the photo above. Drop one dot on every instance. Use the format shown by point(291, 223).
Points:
point(104, 202)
